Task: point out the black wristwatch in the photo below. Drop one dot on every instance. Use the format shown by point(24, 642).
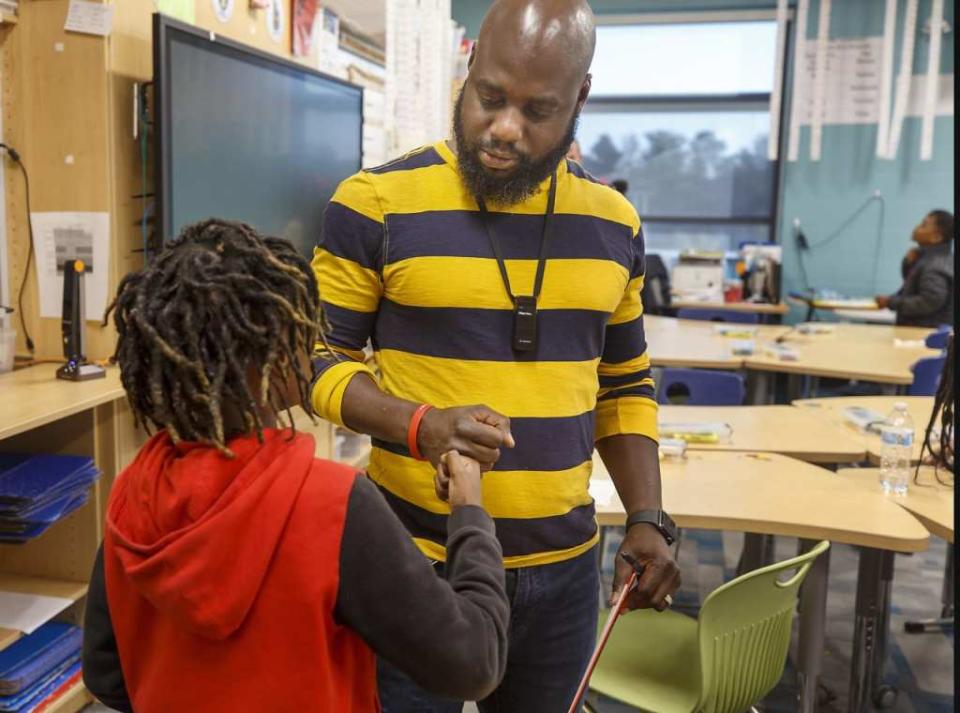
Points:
point(659, 519)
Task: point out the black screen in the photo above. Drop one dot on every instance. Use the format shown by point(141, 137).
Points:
point(249, 138)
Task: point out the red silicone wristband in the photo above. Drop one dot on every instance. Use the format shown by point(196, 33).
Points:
point(414, 429)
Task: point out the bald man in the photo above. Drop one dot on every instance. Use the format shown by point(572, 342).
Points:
point(500, 287)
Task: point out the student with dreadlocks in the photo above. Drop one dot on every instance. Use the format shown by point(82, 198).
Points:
point(238, 572)
point(938, 450)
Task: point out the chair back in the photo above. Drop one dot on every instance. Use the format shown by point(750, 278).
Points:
point(744, 633)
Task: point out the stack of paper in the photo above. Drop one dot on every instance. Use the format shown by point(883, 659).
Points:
point(40, 667)
point(38, 490)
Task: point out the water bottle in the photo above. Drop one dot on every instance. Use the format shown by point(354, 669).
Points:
point(896, 450)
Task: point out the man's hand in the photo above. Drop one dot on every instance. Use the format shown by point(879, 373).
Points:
point(475, 432)
point(661, 575)
point(883, 301)
point(458, 480)
point(911, 256)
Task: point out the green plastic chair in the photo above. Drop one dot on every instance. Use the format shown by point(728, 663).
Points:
point(723, 662)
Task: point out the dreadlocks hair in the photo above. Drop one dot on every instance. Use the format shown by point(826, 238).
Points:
point(218, 303)
point(941, 452)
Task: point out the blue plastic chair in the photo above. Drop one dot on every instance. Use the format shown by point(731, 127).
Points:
point(939, 339)
point(926, 376)
point(706, 388)
point(719, 315)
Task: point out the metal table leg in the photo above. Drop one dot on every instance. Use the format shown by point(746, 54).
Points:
point(946, 599)
point(813, 616)
point(759, 387)
point(871, 625)
point(757, 552)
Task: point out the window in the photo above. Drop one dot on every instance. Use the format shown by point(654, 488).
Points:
point(681, 112)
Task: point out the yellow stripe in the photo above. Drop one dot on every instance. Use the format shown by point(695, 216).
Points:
point(511, 494)
point(476, 283)
point(346, 283)
point(517, 389)
point(584, 197)
point(631, 366)
point(627, 415)
point(437, 552)
point(630, 307)
point(639, 382)
point(327, 395)
point(358, 193)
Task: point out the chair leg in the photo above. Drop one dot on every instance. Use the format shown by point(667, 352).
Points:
point(945, 621)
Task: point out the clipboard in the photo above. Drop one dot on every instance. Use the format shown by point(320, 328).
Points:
point(604, 635)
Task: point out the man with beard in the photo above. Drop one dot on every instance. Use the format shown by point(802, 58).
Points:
point(493, 270)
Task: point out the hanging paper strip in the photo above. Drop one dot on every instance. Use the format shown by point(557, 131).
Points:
point(819, 80)
point(886, 78)
point(903, 78)
point(933, 81)
point(796, 104)
point(776, 96)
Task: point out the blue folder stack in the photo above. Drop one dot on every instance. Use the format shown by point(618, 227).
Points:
point(35, 667)
point(38, 490)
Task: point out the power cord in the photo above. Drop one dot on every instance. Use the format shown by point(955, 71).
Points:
point(15, 157)
point(805, 245)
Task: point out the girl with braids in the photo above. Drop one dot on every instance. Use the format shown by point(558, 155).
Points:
point(939, 451)
point(238, 572)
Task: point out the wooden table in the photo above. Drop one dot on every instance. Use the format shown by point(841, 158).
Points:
point(931, 502)
point(689, 344)
point(764, 308)
point(771, 494)
point(864, 352)
point(773, 429)
point(831, 410)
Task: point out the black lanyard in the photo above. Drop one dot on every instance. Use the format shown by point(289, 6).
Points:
point(524, 308)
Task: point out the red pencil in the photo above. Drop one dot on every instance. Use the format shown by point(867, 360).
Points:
point(604, 635)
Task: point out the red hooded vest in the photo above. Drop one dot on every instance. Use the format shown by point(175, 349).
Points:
point(222, 579)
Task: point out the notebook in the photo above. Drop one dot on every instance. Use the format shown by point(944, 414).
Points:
point(28, 659)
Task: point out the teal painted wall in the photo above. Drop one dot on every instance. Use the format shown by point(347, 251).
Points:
point(822, 194)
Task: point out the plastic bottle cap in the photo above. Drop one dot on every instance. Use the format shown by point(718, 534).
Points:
point(900, 405)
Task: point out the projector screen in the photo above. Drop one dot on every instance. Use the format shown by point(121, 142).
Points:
point(246, 136)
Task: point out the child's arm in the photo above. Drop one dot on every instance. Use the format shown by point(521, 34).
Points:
point(102, 674)
point(448, 635)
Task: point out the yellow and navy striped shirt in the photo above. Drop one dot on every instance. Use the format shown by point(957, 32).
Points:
point(405, 261)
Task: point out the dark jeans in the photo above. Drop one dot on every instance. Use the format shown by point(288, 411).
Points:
point(553, 629)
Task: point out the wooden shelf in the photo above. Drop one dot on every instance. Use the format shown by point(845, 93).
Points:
point(37, 585)
point(34, 397)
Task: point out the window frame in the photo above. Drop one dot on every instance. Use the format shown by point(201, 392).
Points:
point(699, 102)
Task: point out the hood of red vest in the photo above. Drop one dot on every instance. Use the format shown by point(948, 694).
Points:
point(195, 531)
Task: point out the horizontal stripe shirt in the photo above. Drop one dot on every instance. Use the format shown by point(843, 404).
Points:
point(405, 261)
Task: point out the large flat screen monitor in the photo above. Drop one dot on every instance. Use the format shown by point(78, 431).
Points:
point(247, 136)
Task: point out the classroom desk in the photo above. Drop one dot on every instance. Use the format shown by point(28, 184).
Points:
point(770, 494)
point(772, 429)
point(689, 344)
point(932, 504)
point(831, 409)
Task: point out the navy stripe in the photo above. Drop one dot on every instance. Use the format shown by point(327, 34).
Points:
point(624, 342)
point(352, 236)
point(322, 363)
point(579, 171)
point(487, 334)
point(608, 382)
point(542, 443)
point(410, 161)
point(349, 329)
point(518, 536)
point(460, 233)
point(645, 391)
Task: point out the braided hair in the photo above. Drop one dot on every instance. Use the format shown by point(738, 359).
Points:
point(218, 304)
point(942, 452)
